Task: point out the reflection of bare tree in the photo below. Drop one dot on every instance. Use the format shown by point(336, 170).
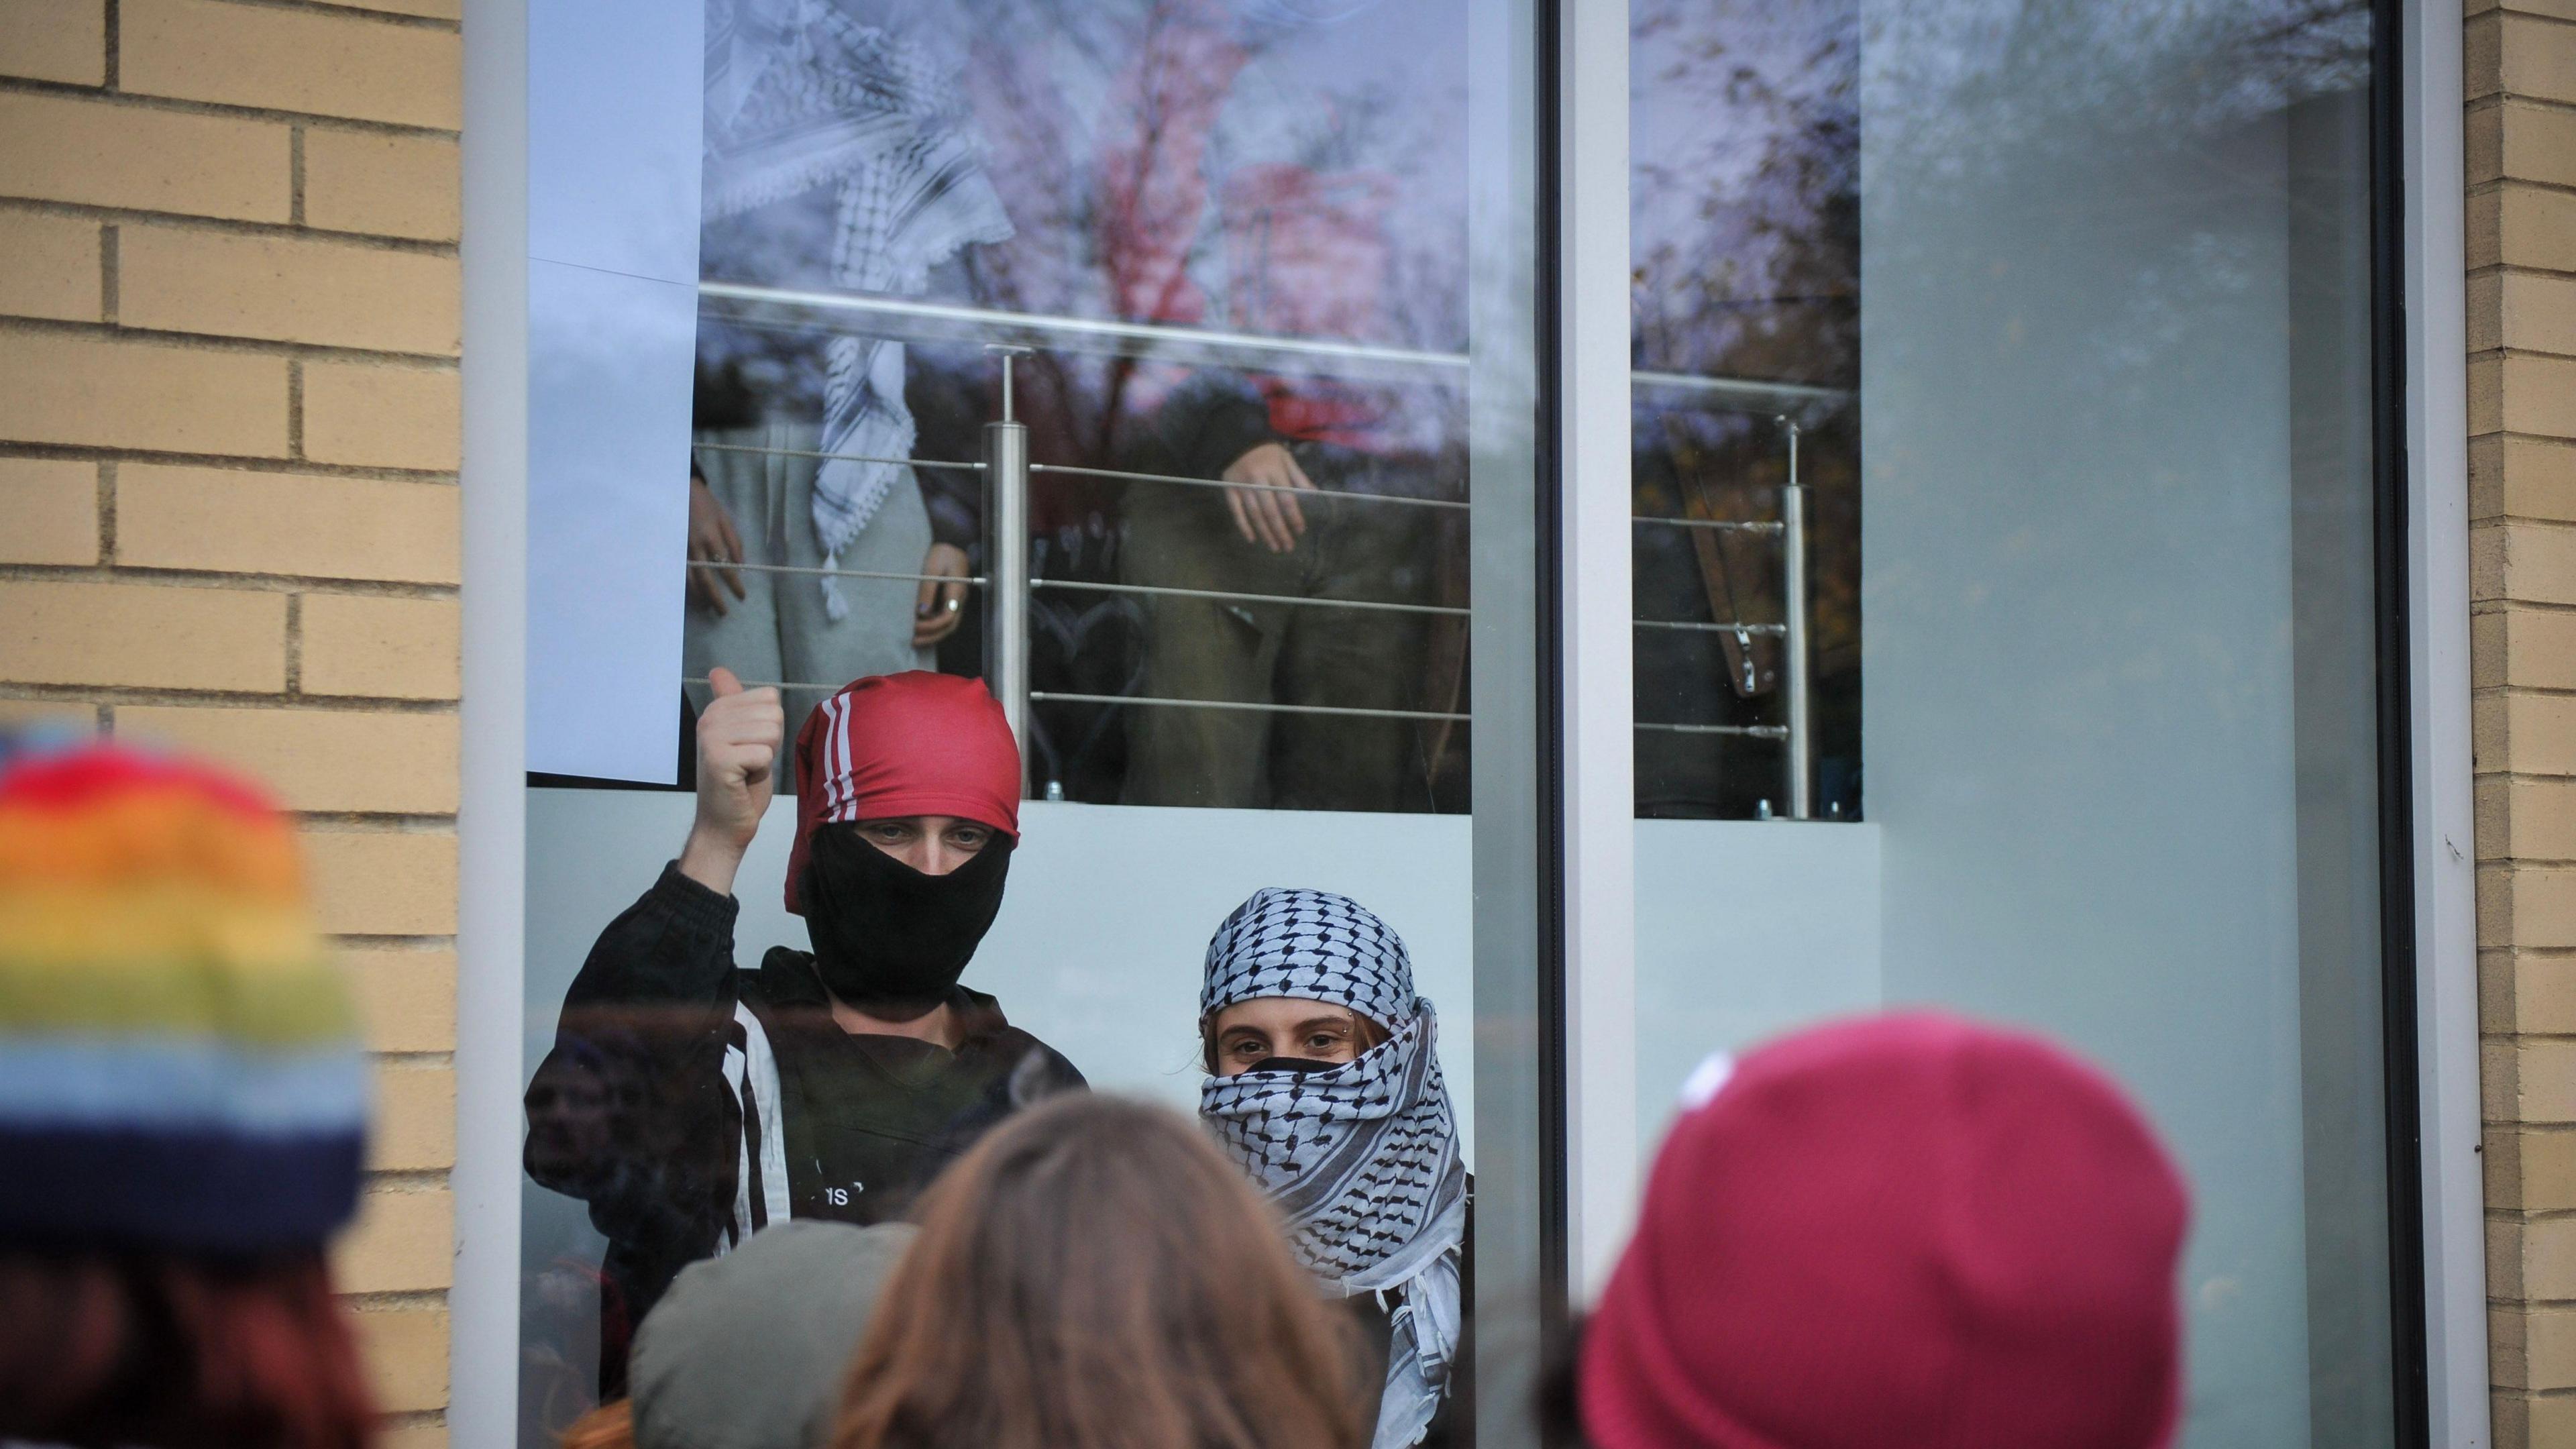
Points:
point(1746, 243)
point(1954, 81)
point(1747, 145)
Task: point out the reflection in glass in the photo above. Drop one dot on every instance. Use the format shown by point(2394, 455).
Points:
point(1226, 243)
point(2092, 515)
point(1269, 209)
point(1744, 224)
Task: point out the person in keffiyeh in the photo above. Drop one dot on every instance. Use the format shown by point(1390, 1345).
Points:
point(839, 157)
point(1324, 1083)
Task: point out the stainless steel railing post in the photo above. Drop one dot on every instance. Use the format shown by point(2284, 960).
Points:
point(1006, 506)
point(1793, 546)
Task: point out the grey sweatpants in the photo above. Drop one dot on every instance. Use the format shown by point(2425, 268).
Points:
point(781, 632)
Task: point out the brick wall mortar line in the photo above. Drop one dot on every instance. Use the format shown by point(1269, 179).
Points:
point(395, 1302)
point(2509, 354)
point(2555, 22)
point(109, 78)
point(359, 942)
point(2527, 183)
point(2507, 603)
point(107, 513)
point(422, 1061)
point(217, 342)
point(109, 297)
point(2499, 100)
point(295, 176)
point(231, 463)
point(2518, 269)
point(366, 822)
point(143, 577)
point(117, 694)
point(294, 644)
point(2498, 521)
point(265, 230)
point(321, 120)
point(231, 226)
point(390, 18)
point(295, 409)
point(406, 1179)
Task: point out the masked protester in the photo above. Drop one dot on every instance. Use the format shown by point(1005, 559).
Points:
point(828, 1084)
point(1324, 1084)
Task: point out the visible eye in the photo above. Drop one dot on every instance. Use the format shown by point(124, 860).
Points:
point(891, 832)
point(968, 837)
point(1247, 1048)
point(1325, 1042)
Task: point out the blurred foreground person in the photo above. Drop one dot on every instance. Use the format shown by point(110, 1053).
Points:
point(1901, 1230)
point(182, 1112)
point(1094, 1274)
point(748, 1351)
point(692, 1104)
point(1324, 1084)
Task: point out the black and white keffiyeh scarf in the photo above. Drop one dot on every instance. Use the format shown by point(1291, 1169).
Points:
point(798, 95)
point(1361, 1159)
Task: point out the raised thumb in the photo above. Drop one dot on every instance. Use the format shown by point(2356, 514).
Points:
point(723, 681)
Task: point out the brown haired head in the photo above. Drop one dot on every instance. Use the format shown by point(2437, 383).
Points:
point(167, 1349)
point(1094, 1273)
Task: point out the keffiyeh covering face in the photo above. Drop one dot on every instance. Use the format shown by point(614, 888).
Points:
point(1361, 1158)
point(799, 95)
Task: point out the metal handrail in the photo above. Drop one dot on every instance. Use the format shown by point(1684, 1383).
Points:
point(914, 320)
point(768, 451)
point(755, 568)
point(1231, 597)
point(1051, 696)
point(1727, 627)
point(1256, 487)
point(1763, 732)
point(1720, 525)
point(1007, 471)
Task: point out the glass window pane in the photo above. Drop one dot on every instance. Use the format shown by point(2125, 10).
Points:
point(1121, 356)
point(2088, 504)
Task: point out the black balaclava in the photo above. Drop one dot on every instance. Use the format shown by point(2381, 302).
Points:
point(888, 939)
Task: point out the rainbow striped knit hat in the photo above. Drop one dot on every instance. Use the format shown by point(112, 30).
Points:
point(180, 1065)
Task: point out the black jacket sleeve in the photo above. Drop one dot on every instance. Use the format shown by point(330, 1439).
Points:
point(631, 1112)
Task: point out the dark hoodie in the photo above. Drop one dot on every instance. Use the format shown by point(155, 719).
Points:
point(691, 1103)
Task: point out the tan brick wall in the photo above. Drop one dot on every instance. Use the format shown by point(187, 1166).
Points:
point(228, 496)
point(2521, 89)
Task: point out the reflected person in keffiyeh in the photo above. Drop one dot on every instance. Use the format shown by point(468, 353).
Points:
point(1324, 1083)
point(840, 157)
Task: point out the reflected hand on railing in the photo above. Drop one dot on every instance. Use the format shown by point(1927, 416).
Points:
point(1267, 513)
point(941, 602)
point(713, 543)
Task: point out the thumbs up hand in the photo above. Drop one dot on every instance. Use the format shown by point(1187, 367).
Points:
point(738, 741)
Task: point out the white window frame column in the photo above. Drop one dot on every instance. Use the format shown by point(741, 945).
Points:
point(2445, 865)
point(491, 825)
point(1599, 720)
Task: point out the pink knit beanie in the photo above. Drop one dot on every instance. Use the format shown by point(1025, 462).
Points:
point(1901, 1230)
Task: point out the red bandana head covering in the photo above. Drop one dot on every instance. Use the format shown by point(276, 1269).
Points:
point(903, 744)
point(1903, 1229)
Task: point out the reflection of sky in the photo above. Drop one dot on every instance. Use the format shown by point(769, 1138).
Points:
point(1063, 92)
point(1743, 144)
